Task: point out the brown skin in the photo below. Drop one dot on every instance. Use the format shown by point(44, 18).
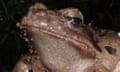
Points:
point(108, 41)
point(109, 44)
point(57, 47)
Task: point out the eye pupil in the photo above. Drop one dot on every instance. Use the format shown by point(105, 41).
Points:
point(76, 20)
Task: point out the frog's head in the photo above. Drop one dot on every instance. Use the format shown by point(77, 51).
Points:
point(59, 37)
point(56, 28)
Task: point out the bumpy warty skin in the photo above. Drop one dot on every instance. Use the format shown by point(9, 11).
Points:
point(59, 41)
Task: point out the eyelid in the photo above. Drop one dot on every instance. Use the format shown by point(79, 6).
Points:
point(78, 20)
point(67, 18)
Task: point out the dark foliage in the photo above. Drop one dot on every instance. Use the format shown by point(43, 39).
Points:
point(102, 13)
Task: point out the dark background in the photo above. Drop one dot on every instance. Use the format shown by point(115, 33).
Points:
point(103, 14)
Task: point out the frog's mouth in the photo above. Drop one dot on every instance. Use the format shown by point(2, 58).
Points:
point(53, 33)
point(85, 47)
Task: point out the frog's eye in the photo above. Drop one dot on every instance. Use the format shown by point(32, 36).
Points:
point(76, 21)
point(73, 22)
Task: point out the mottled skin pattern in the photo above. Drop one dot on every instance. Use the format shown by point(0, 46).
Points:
point(59, 41)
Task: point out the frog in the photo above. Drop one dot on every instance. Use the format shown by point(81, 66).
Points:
point(59, 41)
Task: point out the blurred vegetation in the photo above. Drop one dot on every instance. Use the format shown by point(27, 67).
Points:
point(103, 13)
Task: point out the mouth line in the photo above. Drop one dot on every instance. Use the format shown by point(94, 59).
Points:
point(76, 42)
point(83, 47)
point(57, 34)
